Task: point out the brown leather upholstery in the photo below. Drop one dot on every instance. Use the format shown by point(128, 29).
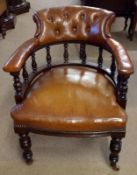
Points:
point(20, 56)
point(71, 99)
point(124, 63)
point(75, 23)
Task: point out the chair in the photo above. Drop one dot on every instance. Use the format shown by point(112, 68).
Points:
point(71, 98)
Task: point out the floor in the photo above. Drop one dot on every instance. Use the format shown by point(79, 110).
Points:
point(55, 155)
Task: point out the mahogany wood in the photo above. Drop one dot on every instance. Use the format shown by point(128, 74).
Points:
point(66, 54)
point(122, 89)
point(18, 87)
point(25, 74)
point(115, 148)
point(25, 143)
point(48, 57)
point(83, 55)
point(100, 58)
point(113, 67)
point(34, 64)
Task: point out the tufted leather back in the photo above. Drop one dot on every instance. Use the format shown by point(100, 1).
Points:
point(73, 24)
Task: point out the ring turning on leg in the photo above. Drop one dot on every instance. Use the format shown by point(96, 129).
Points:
point(25, 143)
point(115, 148)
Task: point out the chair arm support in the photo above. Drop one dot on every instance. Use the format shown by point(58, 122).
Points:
point(124, 64)
point(19, 57)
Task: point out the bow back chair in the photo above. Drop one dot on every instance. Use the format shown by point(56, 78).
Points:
point(77, 99)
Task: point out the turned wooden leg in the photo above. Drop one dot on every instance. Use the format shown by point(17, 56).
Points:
point(25, 143)
point(115, 148)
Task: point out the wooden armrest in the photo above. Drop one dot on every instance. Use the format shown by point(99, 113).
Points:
point(19, 57)
point(124, 63)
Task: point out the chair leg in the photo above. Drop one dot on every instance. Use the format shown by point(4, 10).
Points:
point(25, 143)
point(115, 148)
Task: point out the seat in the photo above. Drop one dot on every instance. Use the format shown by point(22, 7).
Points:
point(75, 98)
point(60, 100)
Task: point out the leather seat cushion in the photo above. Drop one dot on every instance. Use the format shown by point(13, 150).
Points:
point(71, 99)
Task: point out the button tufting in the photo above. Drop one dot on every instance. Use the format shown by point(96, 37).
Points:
point(66, 15)
point(51, 19)
point(82, 15)
point(96, 18)
point(74, 28)
point(57, 31)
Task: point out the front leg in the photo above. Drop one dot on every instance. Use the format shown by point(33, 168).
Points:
point(25, 143)
point(115, 148)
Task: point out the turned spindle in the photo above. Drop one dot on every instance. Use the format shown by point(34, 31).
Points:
point(113, 67)
point(34, 64)
point(83, 55)
point(48, 57)
point(66, 55)
point(18, 87)
point(100, 58)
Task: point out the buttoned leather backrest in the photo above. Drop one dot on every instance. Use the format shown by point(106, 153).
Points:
point(77, 23)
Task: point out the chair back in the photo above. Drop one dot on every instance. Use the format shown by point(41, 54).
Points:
point(73, 24)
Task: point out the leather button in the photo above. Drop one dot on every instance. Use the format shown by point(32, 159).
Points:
point(51, 19)
point(96, 18)
point(66, 15)
point(82, 15)
point(74, 28)
point(57, 31)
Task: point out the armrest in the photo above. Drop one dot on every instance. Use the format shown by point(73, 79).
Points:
point(19, 57)
point(124, 63)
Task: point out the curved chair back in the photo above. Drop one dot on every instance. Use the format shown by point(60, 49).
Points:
point(73, 24)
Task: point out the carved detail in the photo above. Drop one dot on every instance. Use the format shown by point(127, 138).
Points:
point(113, 67)
point(100, 58)
point(48, 57)
point(83, 55)
point(34, 64)
point(115, 148)
point(66, 55)
point(122, 88)
point(18, 87)
point(25, 143)
point(25, 74)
